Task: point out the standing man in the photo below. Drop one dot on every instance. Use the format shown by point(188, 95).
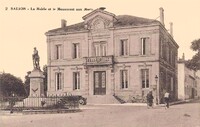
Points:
point(149, 99)
point(166, 97)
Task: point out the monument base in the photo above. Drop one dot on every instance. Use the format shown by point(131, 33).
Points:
point(36, 83)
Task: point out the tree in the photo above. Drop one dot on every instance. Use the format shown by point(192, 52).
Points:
point(194, 63)
point(10, 84)
point(27, 83)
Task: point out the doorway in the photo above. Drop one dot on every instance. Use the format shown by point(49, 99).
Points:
point(99, 82)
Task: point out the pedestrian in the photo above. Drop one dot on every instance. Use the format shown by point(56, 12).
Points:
point(149, 99)
point(166, 97)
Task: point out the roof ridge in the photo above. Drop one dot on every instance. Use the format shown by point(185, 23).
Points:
point(135, 16)
point(122, 20)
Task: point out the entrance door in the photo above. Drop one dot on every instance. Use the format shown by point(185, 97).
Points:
point(99, 83)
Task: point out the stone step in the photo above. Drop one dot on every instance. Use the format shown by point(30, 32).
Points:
point(102, 99)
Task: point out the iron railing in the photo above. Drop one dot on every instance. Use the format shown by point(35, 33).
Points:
point(50, 102)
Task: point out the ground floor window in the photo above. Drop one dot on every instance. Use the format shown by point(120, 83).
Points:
point(124, 79)
point(76, 80)
point(58, 81)
point(145, 78)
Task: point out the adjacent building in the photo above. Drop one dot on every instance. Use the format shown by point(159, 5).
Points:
point(198, 84)
point(187, 81)
point(109, 56)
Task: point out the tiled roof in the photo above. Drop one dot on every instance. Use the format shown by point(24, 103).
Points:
point(128, 20)
point(121, 21)
point(70, 28)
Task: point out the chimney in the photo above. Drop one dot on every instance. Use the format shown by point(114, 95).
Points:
point(63, 23)
point(162, 16)
point(171, 28)
point(102, 8)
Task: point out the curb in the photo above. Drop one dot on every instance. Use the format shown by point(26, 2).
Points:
point(124, 104)
point(54, 111)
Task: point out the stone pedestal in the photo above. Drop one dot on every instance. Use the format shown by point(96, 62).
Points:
point(36, 83)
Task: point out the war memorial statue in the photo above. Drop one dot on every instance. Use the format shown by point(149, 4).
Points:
point(36, 77)
point(36, 59)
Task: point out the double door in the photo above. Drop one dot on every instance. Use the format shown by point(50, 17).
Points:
point(99, 82)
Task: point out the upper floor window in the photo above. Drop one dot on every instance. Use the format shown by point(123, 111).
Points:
point(76, 80)
point(124, 47)
point(58, 81)
point(145, 46)
point(58, 51)
point(76, 52)
point(124, 79)
point(100, 49)
point(145, 78)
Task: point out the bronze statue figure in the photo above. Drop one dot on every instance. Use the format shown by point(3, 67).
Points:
point(36, 59)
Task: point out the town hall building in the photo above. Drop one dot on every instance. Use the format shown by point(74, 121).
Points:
point(111, 57)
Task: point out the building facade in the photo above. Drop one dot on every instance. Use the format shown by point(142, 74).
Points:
point(187, 81)
point(198, 84)
point(109, 55)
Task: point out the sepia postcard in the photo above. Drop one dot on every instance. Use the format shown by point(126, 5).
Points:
point(99, 63)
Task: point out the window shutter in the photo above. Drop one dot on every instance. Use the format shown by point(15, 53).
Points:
point(62, 81)
point(78, 82)
point(126, 78)
point(72, 51)
point(61, 51)
point(121, 79)
point(147, 42)
point(79, 50)
point(172, 84)
point(56, 88)
point(120, 48)
point(73, 81)
point(55, 52)
point(143, 78)
point(142, 46)
point(126, 46)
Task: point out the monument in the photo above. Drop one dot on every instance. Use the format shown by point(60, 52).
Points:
point(36, 77)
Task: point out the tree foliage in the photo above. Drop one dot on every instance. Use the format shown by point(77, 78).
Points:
point(195, 46)
point(27, 83)
point(194, 63)
point(10, 84)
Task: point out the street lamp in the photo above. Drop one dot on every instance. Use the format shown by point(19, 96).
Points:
point(156, 79)
point(12, 102)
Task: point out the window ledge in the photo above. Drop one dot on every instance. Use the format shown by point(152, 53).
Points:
point(76, 89)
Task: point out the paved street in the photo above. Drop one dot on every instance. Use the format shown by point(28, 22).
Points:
point(182, 115)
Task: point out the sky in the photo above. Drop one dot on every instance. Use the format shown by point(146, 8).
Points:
point(22, 30)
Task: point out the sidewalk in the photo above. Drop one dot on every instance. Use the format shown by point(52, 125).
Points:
point(7, 112)
point(142, 104)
